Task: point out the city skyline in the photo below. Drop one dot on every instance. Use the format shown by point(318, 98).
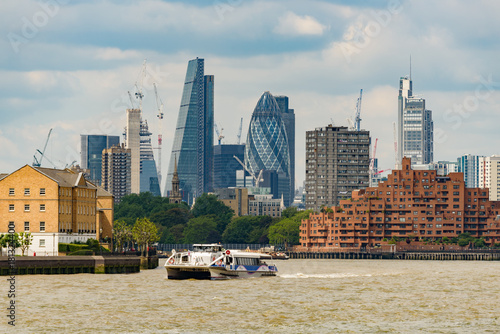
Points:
point(314, 53)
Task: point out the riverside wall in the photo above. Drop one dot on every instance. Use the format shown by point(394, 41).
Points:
point(439, 256)
point(47, 265)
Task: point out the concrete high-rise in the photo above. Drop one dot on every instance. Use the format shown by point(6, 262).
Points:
point(267, 146)
point(133, 142)
point(337, 163)
point(116, 171)
point(490, 176)
point(415, 126)
point(288, 117)
point(91, 153)
point(194, 134)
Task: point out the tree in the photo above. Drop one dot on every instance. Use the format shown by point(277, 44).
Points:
point(201, 230)
point(10, 240)
point(171, 217)
point(289, 212)
point(287, 231)
point(144, 233)
point(175, 234)
point(25, 241)
point(122, 234)
point(210, 205)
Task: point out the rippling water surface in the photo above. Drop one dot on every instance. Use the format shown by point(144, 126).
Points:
point(308, 296)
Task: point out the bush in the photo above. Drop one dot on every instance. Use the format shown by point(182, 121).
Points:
point(76, 247)
point(63, 248)
point(82, 252)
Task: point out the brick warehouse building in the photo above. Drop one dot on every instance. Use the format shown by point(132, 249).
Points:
point(411, 203)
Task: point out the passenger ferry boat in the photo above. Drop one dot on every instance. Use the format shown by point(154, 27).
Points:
point(238, 264)
point(193, 264)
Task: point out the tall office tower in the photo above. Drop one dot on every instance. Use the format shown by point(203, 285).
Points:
point(337, 162)
point(267, 144)
point(416, 128)
point(91, 153)
point(133, 142)
point(489, 175)
point(225, 165)
point(149, 174)
point(116, 171)
point(194, 134)
point(288, 117)
point(469, 165)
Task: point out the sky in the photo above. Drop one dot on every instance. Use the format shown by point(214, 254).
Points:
point(67, 65)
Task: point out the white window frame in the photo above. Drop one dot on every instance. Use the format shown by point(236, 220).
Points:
point(27, 192)
point(26, 208)
point(42, 207)
point(12, 208)
point(42, 226)
point(26, 226)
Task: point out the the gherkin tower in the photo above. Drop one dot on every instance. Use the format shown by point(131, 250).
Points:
point(267, 144)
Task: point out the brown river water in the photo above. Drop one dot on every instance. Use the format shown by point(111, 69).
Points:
point(307, 296)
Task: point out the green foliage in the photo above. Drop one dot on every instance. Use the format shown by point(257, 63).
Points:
point(201, 230)
point(76, 247)
point(289, 212)
point(176, 233)
point(287, 230)
point(145, 233)
point(171, 217)
point(62, 247)
point(81, 252)
point(210, 205)
point(9, 240)
point(122, 233)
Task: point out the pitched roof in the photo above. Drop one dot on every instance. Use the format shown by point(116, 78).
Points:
point(2, 175)
point(62, 177)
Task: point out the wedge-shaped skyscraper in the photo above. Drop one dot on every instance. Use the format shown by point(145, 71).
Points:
point(194, 135)
point(267, 144)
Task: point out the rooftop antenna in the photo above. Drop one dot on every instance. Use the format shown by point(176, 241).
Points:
point(410, 67)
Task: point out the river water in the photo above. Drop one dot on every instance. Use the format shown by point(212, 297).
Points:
point(308, 296)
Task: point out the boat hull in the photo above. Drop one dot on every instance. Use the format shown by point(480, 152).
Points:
point(187, 272)
point(240, 271)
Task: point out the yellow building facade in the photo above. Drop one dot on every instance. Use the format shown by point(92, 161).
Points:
point(54, 206)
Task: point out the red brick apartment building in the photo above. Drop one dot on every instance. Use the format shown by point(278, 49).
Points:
point(411, 203)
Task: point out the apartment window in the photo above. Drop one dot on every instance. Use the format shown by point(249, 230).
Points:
point(42, 191)
point(12, 192)
point(42, 207)
point(42, 243)
point(26, 191)
point(42, 226)
point(26, 207)
point(26, 226)
point(11, 207)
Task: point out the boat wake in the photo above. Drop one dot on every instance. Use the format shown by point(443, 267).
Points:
point(333, 275)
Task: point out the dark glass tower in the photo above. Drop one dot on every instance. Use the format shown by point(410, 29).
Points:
point(267, 144)
point(288, 117)
point(194, 135)
point(91, 153)
point(225, 165)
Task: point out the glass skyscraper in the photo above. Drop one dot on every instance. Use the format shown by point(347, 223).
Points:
point(288, 117)
point(416, 138)
point(267, 144)
point(194, 134)
point(225, 165)
point(91, 153)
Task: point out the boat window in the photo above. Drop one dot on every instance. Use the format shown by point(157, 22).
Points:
point(247, 261)
point(185, 258)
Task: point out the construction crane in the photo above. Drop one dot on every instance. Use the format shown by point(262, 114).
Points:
point(159, 105)
point(220, 136)
point(36, 161)
point(372, 160)
point(139, 84)
point(357, 119)
point(257, 179)
point(381, 171)
point(239, 131)
point(132, 104)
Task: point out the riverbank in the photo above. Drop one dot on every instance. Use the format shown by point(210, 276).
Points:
point(408, 255)
point(47, 265)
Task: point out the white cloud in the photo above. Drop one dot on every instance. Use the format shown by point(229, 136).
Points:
point(295, 25)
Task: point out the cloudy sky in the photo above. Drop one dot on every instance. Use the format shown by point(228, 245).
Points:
point(68, 64)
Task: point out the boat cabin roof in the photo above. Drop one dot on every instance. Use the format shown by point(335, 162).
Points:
point(250, 255)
